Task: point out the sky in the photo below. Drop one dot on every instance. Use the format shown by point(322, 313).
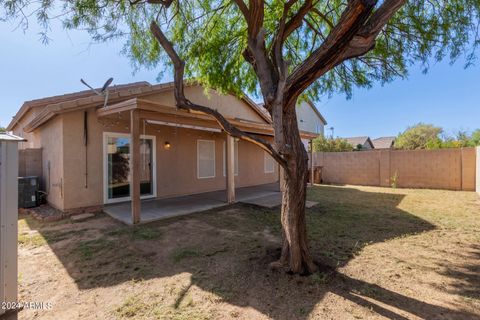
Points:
point(447, 96)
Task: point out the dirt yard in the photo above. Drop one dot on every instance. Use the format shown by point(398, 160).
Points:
point(383, 253)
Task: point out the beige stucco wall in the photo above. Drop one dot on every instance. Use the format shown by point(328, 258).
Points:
point(51, 136)
point(228, 105)
point(176, 167)
point(452, 169)
point(33, 138)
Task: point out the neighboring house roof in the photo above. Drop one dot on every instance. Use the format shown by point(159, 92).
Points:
point(383, 142)
point(52, 106)
point(355, 141)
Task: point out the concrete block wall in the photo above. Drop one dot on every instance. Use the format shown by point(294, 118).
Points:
point(477, 180)
point(452, 169)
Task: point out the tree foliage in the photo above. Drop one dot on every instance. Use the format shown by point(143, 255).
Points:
point(427, 136)
point(475, 138)
point(211, 36)
point(331, 145)
point(419, 136)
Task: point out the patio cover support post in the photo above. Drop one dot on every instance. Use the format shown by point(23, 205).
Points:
point(230, 153)
point(135, 164)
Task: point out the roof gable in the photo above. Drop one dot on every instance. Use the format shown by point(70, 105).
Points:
point(355, 141)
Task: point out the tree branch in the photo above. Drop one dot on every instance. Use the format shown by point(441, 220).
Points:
point(183, 103)
point(243, 8)
point(364, 40)
point(329, 54)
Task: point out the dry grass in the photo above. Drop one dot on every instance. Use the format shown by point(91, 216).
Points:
point(394, 253)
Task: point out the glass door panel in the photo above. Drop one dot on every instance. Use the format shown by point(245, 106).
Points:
point(118, 167)
point(146, 160)
point(118, 160)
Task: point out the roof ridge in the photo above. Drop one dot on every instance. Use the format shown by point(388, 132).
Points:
point(84, 93)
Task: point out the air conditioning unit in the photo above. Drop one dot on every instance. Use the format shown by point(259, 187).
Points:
point(28, 191)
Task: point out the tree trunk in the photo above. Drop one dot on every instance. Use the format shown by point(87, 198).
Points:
point(295, 251)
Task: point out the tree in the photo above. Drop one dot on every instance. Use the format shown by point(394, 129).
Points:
point(427, 136)
point(475, 138)
point(2, 129)
point(280, 50)
point(331, 145)
point(419, 136)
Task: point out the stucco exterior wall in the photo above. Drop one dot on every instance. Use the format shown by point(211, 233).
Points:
point(308, 120)
point(176, 167)
point(227, 105)
point(81, 163)
point(51, 137)
point(33, 138)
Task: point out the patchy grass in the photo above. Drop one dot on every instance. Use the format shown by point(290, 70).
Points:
point(184, 253)
point(382, 253)
point(136, 232)
point(87, 249)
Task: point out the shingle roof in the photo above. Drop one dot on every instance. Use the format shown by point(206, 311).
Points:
point(383, 142)
point(355, 141)
point(42, 102)
point(118, 92)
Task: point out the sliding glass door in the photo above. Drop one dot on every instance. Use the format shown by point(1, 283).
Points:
point(117, 167)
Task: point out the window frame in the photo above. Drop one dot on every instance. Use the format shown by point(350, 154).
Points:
point(267, 157)
point(198, 159)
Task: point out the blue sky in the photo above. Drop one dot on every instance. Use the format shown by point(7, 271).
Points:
point(448, 96)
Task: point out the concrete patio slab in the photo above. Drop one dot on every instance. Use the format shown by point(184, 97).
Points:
point(157, 209)
point(268, 201)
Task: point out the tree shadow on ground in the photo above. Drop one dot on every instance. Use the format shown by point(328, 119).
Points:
point(466, 276)
point(227, 252)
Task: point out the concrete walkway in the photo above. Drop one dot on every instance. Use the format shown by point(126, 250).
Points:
point(267, 195)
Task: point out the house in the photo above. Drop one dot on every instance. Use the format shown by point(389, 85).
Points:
point(360, 143)
point(140, 146)
point(384, 143)
point(310, 119)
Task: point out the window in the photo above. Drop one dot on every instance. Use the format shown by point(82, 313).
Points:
point(269, 163)
point(205, 159)
point(235, 148)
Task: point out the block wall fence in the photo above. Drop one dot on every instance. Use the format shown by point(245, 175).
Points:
point(451, 169)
